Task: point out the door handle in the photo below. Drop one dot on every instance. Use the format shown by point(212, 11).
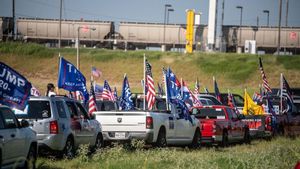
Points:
point(12, 135)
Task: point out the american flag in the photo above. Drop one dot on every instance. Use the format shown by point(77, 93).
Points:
point(257, 97)
point(92, 101)
point(107, 93)
point(264, 78)
point(191, 96)
point(231, 102)
point(96, 73)
point(150, 96)
point(98, 92)
point(286, 93)
point(197, 87)
point(217, 92)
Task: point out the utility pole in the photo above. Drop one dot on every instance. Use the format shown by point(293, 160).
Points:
point(279, 26)
point(287, 13)
point(14, 18)
point(222, 24)
point(60, 15)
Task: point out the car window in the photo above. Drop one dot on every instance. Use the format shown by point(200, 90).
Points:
point(209, 113)
point(229, 112)
point(213, 99)
point(9, 119)
point(105, 105)
point(38, 110)
point(60, 109)
point(161, 105)
point(72, 109)
point(81, 111)
point(234, 116)
point(238, 100)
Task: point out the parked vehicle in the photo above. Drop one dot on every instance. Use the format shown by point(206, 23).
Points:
point(221, 125)
point(260, 126)
point(62, 124)
point(210, 97)
point(18, 143)
point(159, 127)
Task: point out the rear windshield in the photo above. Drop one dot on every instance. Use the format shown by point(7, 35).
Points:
point(37, 110)
point(209, 113)
point(105, 106)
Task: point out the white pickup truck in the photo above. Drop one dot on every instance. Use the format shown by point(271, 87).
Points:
point(160, 128)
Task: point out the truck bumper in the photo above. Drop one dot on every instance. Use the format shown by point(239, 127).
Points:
point(51, 141)
point(126, 136)
point(211, 139)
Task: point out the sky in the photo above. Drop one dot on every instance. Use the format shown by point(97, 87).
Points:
point(153, 10)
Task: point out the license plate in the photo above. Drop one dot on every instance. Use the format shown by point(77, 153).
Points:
point(120, 135)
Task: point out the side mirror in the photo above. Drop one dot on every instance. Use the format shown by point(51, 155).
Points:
point(241, 116)
point(24, 123)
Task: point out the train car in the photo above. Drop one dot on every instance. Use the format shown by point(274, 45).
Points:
point(266, 37)
point(6, 28)
point(47, 30)
point(142, 35)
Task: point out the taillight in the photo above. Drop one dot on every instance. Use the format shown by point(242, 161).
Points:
point(53, 127)
point(149, 122)
point(268, 123)
point(214, 126)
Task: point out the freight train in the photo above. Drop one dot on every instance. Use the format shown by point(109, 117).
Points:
point(139, 35)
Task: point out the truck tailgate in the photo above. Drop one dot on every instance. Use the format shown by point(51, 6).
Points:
point(122, 121)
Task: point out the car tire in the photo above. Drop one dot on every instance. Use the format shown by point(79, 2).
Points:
point(161, 139)
point(69, 150)
point(99, 142)
point(224, 142)
point(196, 143)
point(31, 158)
point(247, 138)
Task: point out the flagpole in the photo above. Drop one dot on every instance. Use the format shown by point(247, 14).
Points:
point(281, 87)
point(166, 89)
point(144, 81)
point(181, 82)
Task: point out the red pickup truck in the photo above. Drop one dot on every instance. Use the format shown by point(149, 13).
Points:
point(221, 125)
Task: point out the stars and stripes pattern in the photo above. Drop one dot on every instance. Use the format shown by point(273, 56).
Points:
point(197, 87)
point(266, 85)
point(92, 101)
point(191, 96)
point(217, 92)
point(107, 94)
point(96, 72)
point(257, 97)
point(150, 96)
point(286, 93)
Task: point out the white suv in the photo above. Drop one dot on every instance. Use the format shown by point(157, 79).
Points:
point(62, 124)
point(18, 143)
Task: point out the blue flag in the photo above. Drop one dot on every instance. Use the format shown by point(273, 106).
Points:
point(14, 88)
point(71, 79)
point(185, 110)
point(173, 85)
point(217, 92)
point(126, 101)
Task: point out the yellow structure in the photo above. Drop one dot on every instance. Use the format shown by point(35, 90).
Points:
point(190, 17)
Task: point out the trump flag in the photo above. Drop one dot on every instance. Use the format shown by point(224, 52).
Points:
point(14, 88)
point(71, 79)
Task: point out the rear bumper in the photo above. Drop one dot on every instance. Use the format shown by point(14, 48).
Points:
point(51, 141)
point(146, 136)
point(211, 139)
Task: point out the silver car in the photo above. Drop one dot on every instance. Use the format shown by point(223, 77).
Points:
point(62, 124)
point(18, 143)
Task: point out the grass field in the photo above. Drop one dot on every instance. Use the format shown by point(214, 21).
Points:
point(232, 71)
point(280, 153)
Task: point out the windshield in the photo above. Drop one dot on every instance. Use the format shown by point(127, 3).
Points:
point(209, 113)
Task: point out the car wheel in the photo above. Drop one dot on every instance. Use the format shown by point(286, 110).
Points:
point(196, 143)
point(31, 158)
point(99, 142)
point(69, 150)
point(224, 142)
point(161, 139)
point(247, 138)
